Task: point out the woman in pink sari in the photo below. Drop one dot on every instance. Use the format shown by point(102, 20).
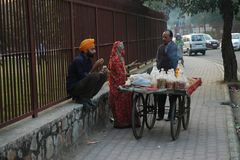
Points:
point(120, 103)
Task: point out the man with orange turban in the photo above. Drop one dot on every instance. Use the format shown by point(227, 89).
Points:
point(84, 78)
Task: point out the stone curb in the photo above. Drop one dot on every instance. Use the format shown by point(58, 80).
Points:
point(231, 132)
point(233, 141)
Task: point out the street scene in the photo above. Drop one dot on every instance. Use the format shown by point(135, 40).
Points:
point(119, 80)
point(206, 138)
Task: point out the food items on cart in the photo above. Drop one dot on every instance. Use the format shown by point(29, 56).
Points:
point(161, 79)
point(181, 81)
point(154, 73)
point(171, 79)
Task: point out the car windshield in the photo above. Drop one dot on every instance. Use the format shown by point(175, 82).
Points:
point(235, 36)
point(208, 37)
point(197, 37)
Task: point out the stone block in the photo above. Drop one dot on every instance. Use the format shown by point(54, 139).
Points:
point(34, 145)
point(33, 156)
point(54, 128)
point(64, 124)
point(20, 153)
point(39, 136)
point(75, 133)
point(49, 147)
point(68, 139)
point(11, 154)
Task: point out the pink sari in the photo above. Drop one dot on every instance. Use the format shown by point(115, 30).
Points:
point(120, 103)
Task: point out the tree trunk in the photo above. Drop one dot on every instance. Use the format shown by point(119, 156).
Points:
point(228, 55)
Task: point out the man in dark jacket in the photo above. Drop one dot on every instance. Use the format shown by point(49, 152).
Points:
point(167, 58)
point(84, 78)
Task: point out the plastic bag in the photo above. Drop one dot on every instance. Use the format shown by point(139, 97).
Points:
point(141, 79)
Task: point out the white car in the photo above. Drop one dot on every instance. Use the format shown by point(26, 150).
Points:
point(236, 41)
point(194, 43)
point(211, 43)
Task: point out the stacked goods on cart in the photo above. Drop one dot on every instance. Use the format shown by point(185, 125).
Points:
point(173, 80)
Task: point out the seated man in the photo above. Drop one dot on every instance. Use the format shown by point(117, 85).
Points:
point(84, 78)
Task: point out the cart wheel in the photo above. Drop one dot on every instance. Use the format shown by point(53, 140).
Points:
point(186, 112)
point(138, 116)
point(150, 111)
point(175, 119)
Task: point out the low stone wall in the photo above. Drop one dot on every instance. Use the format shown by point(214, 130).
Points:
point(60, 136)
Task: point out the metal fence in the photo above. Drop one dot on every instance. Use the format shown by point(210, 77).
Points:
point(39, 38)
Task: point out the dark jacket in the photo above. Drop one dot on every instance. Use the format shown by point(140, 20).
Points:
point(167, 56)
point(77, 70)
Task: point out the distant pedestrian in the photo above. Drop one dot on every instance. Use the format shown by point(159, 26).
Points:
point(120, 103)
point(167, 58)
point(84, 78)
point(179, 42)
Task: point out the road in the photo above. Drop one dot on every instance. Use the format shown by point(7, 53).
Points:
point(215, 55)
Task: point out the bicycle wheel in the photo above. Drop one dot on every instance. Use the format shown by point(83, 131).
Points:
point(150, 111)
point(175, 119)
point(138, 116)
point(186, 112)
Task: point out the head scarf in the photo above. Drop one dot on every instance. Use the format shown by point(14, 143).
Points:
point(86, 44)
point(118, 50)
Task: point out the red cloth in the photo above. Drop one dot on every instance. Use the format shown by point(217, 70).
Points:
point(120, 103)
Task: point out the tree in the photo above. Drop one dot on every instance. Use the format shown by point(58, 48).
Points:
point(227, 8)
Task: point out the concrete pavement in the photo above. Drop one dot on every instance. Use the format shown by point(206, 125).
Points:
point(210, 134)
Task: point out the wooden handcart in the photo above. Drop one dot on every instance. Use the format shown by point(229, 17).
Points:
point(145, 105)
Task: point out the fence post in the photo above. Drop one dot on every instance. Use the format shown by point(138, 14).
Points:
point(97, 32)
point(72, 30)
point(128, 61)
point(33, 82)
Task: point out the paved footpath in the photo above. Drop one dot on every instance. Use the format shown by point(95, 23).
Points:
point(210, 134)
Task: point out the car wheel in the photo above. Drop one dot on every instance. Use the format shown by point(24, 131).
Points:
point(203, 53)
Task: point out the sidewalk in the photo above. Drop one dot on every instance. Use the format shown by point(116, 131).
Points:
point(210, 134)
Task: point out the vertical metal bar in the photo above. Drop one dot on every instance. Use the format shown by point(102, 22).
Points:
point(21, 24)
point(47, 37)
point(7, 61)
point(72, 29)
point(127, 37)
point(114, 25)
point(26, 72)
point(32, 60)
point(145, 27)
point(50, 74)
point(11, 23)
point(1, 67)
point(38, 49)
point(57, 42)
point(97, 34)
point(5, 87)
point(16, 95)
point(43, 61)
point(138, 36)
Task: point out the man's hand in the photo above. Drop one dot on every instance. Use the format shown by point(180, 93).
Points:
point(97, 65)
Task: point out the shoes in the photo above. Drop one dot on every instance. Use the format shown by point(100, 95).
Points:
point(168, 119)
point(159, 118)
point(87, 104)
point(122, 127)
point(111, 119)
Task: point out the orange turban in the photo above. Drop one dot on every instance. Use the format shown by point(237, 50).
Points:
point(86, 44)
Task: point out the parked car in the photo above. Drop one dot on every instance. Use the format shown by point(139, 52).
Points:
point(194, 43)
point(236, 41)
point(210, 42)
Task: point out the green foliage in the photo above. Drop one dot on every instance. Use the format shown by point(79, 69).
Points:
point(196, 6)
